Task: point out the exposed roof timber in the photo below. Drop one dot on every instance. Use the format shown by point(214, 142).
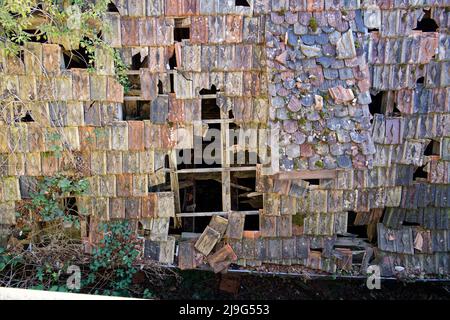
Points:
point(216, 213)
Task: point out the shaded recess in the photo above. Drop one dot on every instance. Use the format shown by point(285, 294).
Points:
point(427, 24)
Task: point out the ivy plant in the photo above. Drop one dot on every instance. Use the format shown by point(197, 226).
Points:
point(118, 250)
point(47, 199)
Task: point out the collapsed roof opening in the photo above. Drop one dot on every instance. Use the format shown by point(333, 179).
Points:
point(421, 80)
point(70, 206)
point(376, 106)
point(194, 224)
point(112, 8)
point(181, 31)
point(245, 158)
point(410, 224)
point(205, 91)
point(395, 111)
point(251, 222)
point(36, 36)
point(136, 110)
point(420, 174)
point(433, 148)
point(173, 61)
point(136, 61)
point(27, 118)
point(243, 195)
point(208, 196)
point(76, 58)
point(313, 182)
point(358, 230)
point(172, 83)
point(160, 87)
point(210, 109)
point(242, 3)
point(427, 24)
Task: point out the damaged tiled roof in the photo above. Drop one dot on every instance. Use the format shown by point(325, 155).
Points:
point(359, 91)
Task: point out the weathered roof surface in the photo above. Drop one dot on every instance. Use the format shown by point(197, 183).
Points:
point(356, 93)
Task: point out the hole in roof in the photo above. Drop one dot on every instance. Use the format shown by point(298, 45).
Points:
point(433, 148)
point(27, 118)
point(376, 106)
point(251, 222)
point(426, 24)
point(173, 61)
point(181, 31)
point(136, 63)
point(112, 8)
point(313, 182)
point(373, 30)
point(210, 110)
point(395, 111)
point(208, 196)
point(243, 195)
point(360, 231)
point(136, 110)
point(71, 206)
point(213, 90)
point(36, 36)
point(172, 83)
point(421, 80)
point(245, 158)
point(76, 59)
point(160, 87)
point(230, 114)
point(242, 3)
point(420, 174)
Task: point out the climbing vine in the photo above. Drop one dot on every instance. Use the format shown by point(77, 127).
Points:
point(47, 201)
point(118, 251)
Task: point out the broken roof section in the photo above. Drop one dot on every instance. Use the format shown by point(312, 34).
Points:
point(358, 91)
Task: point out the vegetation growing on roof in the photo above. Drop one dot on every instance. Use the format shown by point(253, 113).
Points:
point(47, 200)
point(73, 24)
point(313, 24)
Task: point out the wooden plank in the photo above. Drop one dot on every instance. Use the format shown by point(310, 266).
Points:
point(220, 213)
point(307, 174)
point(209, 170)
point(174, 184)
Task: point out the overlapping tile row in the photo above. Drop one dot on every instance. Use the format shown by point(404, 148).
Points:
point(409, 69)
point(319, 82)
point(380, 171)
point(224, 51)
point(312, 69)
point(75, 128)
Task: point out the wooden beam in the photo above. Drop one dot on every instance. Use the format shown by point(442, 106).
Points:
point(218, 213)
point(209, 170)
point(213, 121)
point(306, 174)
point(237, 186)
point(174, 183)
point(226, 177)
